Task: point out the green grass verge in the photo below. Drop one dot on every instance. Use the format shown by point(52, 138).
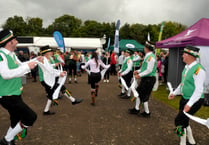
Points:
point(162, 95)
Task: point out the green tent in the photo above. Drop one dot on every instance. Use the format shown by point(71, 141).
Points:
point(129, 44)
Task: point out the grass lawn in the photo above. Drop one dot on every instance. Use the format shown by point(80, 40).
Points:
point(162, 95)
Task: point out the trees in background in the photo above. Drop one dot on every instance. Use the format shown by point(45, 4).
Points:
point(71, 26)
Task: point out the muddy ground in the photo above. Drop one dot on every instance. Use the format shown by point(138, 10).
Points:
point(107, 123)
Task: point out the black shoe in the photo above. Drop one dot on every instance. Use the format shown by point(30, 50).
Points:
point(4, 142)
point(48, 113)
point(92, 104)
point(121, 94)
point(77, 101)
point(125, 97)
point(76, 81)
point(190, 143)
point(144, 114)
point(69, 82)
point(133, 111)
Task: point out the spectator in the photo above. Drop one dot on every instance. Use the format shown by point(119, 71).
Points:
point(34, 71)
point(113, 61)
point(106, 61)
point(21, 56)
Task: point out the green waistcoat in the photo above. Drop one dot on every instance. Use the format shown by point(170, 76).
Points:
point(41, 75)
point(12, 86)
point(55, 58)
point(137, 63)
point(125, 65)
point(144, 65)
point(187, 81)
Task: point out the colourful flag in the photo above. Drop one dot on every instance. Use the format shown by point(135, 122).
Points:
point(60, 41)
point(148, 36)
point(116, 41)
point(160, 36)
point(161, 31)
point(108, 45)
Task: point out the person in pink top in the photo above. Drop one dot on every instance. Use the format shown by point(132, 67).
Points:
point(95, 75)
point(159, 66)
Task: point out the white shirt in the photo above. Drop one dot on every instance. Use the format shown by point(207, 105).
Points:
point(82, 58)
point(121, 59)
point(7, 73)
point(199, 80)
point(49, 72)
point(93, 66)
point(150, 65)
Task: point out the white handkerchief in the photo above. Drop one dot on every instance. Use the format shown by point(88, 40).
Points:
point(198, 120)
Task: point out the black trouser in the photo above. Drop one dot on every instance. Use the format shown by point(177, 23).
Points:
point(72, 69)
point(181, 118)
point(145, 88)
point(94, 78)
point(34, 72)
point(107, 74)
point(113, 69)
point(128, 78)
point(18, 110)
point(50, 90)
point(136, 67)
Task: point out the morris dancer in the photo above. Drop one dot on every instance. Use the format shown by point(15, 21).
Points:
point(95, 75)
point(21, 115)
point(49, 78)
point(191, 89)
point(126, 73)
point(136, 60)
point(147, 75)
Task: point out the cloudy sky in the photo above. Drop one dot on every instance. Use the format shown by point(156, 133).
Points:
point(185, 12)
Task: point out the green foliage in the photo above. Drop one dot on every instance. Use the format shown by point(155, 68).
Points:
point(34, 26)
point(66, 24)
point(16, 24)
point(171, 29)
point(162, 95)
point(71, 26)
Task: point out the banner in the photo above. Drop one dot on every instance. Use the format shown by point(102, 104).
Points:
point(60, 41)
point(108, 45)
point(148, 36)
point(160, 36)
point(116, 41)
point(161, 31)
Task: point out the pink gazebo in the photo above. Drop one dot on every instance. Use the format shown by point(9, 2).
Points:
point(196, 35)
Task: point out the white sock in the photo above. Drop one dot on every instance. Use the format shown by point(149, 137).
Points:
point(69, 79)
point(183, 139)
point(137, 103)
point(10, 136)
point(146, 108)
point(70, 97)
point(190, 136)
point(48, 104)
point(75, 79)
point(123, 89)
point(129, 92)
point(10, 129)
